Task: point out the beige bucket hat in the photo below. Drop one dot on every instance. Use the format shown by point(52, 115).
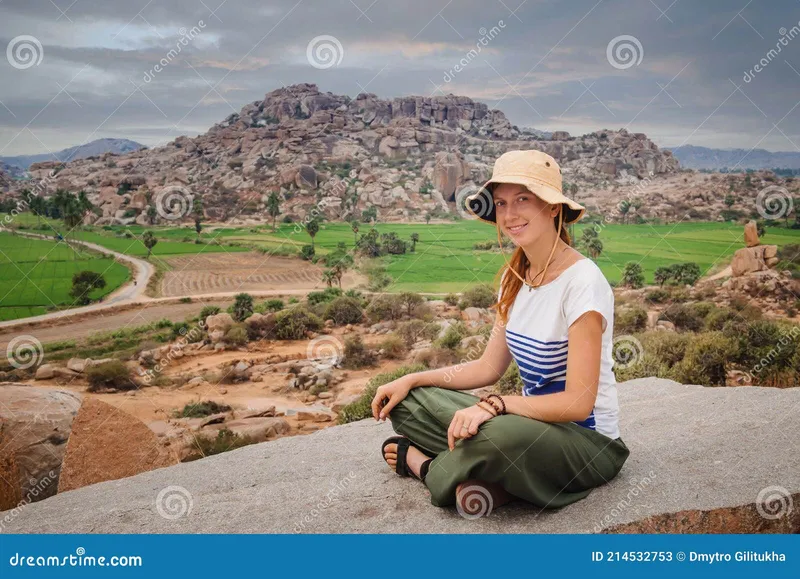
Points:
point(536, 171)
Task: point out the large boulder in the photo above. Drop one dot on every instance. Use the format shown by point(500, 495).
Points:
point(751, 234)
point(449, 173)
point(107, 443)
point(731, 471)
point(752, 259)
point(35, 424)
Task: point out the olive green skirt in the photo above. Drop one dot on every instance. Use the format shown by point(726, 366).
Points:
point(548, 464)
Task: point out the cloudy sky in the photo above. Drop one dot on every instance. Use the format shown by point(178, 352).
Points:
point(681, 71)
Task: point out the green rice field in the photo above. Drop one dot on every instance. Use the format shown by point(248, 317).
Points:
point(37, 274)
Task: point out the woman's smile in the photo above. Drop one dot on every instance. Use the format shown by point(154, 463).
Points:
point(517, 229)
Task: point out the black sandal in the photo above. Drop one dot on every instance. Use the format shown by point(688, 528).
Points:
point(401, 468)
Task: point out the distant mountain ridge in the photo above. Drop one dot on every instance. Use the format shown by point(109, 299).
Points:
point(97, 147)
point(692, 157)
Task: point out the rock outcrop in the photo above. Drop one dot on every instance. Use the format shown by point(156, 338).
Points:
point(702, 460)
point(754, 257)
point(107, 443)
point(35, 424)
point(307, 145)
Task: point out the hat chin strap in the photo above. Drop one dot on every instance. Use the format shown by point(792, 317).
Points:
point(552, 251)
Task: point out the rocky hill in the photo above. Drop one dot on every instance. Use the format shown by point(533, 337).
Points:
point(331, 153)
point(93, 148)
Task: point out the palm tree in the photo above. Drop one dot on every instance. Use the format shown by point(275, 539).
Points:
point(328, 276)
point(273, 207)
point(414, 240)
point(624, 207)
point(354, 227)
point(312, 227)
point(595, 247)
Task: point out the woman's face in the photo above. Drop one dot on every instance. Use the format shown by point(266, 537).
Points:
point(521, 215)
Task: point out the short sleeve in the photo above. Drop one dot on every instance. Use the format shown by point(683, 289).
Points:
point(588, 293)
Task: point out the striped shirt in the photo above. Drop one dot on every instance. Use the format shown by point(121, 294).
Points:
point(537, 337)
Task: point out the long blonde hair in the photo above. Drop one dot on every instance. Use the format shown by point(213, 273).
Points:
point(511, 284)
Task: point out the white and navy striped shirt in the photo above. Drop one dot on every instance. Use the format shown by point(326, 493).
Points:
point(537, 332)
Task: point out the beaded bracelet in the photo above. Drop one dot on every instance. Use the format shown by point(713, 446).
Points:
point(502, 402)
point(493, 404)
point(493, 410)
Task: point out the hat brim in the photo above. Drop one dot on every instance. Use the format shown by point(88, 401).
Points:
point(481, 203)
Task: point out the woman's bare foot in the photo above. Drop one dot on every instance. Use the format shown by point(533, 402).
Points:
point(476, 498)
point(414, 458)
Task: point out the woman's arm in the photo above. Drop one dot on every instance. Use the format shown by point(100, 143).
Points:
point(468, 375)
point(585, 341)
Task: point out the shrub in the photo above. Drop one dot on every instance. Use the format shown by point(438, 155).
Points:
point(208, 311)
point(242, 307)
point(179, 329)
point(113, 375)
point(632, 275)
point(683, 317)
point(705, 359)
point(274, 305)
point(344, 310)
point(657, 296)
point(630, 320)
point(225, 440)
point(452, 337)
point(385, 307)
point(412, 331)
point(394, 347)
point(201, 409)
point(307, 252)
point(510, 382)
point(356, 354)
point(666, 347)
point(479, 296)
point(292, 324)
point(410, 301)
point(648, 365)
point(236, 335)
point(326, 295)
point(362, 408)
point(437, 357)
point(451, 299)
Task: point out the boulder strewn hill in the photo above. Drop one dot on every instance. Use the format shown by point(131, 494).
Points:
point(702, 460)
point(406, 156)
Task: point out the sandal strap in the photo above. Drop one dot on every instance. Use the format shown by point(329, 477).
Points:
point(423, 470)
point(402, 450)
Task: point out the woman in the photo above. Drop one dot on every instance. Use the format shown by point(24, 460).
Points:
point(555, 314)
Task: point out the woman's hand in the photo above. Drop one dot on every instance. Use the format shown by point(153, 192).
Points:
point(465, 423)
point(390, 395)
